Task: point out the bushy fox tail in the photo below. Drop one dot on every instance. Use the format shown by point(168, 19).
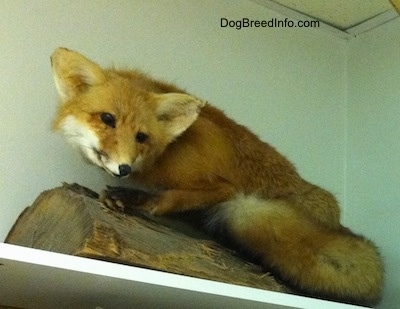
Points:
point(318, 261)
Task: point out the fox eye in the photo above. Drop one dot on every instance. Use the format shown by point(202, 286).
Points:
point(108, 119)
point(141, 137)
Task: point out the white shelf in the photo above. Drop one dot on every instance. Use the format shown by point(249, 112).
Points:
point(32, 278)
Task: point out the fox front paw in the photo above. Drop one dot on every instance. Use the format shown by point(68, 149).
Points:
point(123, 199)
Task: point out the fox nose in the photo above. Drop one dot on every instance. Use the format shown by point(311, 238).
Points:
point(124, 170)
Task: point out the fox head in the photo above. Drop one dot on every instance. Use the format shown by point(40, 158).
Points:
point(119, 120)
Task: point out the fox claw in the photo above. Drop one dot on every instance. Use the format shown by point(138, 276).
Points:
point(124, 199)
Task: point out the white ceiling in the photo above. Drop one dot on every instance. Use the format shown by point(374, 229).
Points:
point(342, 14)
point(350, 17)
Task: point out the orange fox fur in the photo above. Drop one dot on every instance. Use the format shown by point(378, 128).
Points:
point(196, 158)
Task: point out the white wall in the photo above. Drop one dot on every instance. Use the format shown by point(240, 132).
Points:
point(373, 166)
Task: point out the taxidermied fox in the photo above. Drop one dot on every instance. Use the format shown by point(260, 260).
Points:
point(196, 158)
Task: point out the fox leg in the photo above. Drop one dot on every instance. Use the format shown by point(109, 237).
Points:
point(181, 200)
point(165, 202)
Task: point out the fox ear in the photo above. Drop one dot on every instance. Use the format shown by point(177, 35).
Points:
point(178, 111)
point(73, 73)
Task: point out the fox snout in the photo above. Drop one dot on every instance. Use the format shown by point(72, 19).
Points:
point(83, 137)
point(124, 170)
point(115, 167)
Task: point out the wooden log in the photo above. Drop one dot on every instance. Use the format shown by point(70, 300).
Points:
point(71, 220)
